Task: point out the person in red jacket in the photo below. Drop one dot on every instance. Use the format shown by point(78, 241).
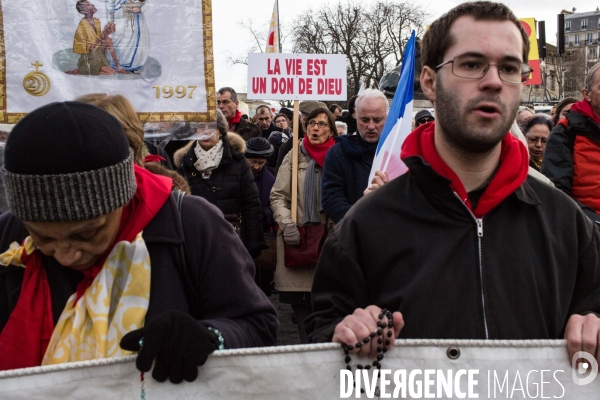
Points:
point(573, 151)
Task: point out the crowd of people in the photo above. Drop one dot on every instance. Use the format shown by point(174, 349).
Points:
point(112, 246)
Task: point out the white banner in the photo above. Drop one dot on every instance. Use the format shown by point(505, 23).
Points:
point(297, 76)
point(438, 369)
point(157, 53)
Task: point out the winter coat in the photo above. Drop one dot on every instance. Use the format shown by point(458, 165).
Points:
point(276, 140)
point(247, 129)
point(288, 279)
point(286, 147)
point(264, 182)
point(230, 187)
point(572, 159)
point(345, 176)
point(413, 246)
point(222, 273)
point(269, 131)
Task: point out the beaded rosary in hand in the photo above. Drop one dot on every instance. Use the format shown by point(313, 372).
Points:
point(381, 346)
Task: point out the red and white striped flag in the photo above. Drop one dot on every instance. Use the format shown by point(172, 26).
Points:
point(273, 36)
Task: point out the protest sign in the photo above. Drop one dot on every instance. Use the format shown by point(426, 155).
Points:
point(297, 76)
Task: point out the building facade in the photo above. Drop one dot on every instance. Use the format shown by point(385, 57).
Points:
point(549, 90)
point(582, 47)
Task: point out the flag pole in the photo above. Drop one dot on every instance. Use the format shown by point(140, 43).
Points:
point(278, 27)
point(295, 147)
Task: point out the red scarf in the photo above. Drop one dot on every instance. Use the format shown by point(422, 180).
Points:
point(584, 108)
point(318, 151)
point(235, 119)
point(511, 173)
point(26, 335)
point(155, 158)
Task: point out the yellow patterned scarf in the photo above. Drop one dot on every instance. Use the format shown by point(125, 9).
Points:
point(115, 304)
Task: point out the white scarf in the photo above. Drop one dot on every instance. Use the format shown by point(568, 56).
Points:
point(208, 160)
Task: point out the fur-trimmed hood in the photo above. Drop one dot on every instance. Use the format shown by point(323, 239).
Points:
point(236, 142)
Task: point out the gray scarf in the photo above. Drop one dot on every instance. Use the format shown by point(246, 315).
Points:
point(312, 195)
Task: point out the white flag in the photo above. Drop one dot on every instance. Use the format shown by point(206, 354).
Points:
point(273, 36)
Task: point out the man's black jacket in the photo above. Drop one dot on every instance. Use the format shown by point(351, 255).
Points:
point(412, 246)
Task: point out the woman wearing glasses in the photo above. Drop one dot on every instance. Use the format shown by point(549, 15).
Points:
point(536, 131)
point(294, 284)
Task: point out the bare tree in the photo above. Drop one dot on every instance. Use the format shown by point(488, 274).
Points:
point(372, 37)
point(575, 69)
point(258, 40)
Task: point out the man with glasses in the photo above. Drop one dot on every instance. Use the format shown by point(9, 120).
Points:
point(572, 158)
point(348, 163)
point(228, 103)
point(465, 245)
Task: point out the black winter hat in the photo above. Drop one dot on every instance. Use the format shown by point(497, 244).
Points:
point(66, 162)
point(423, 114)
point(258, 147)
point(287, 112)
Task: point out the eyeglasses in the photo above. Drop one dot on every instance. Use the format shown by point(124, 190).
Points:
point(320, 123)
point(224, 102)
point(424, 120)
point(475, 67)
point(534, 140)
point(203, 126)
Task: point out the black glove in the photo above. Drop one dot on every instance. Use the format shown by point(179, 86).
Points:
point(178, 342)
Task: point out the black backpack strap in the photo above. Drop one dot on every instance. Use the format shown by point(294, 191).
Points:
point(180, 257)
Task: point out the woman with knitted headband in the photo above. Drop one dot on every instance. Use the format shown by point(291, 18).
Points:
point(89, 267)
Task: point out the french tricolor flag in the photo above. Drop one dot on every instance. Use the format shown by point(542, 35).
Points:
point(399, 120)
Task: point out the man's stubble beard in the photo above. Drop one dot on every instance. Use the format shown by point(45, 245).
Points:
point(459, 133)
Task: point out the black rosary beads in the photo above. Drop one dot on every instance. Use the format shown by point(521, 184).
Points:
point(382, 344)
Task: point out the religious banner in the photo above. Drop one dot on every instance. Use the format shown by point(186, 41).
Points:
point(297, 76)
point(535, 78)
point(157, 53)
point(416, 369)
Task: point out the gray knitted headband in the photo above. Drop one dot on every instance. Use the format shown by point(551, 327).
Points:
point(70, 197)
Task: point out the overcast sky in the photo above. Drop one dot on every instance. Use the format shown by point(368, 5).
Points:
point(231, 38)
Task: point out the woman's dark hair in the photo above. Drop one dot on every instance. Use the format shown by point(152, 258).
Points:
point(330, 119)
point(537, 120)
point(560, 106)
point(351, 103)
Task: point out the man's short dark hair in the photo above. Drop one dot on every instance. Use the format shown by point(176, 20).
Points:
point(223, 90)
point(334, 107)
point(79, 6)
point(265, 107)
point(437, 39)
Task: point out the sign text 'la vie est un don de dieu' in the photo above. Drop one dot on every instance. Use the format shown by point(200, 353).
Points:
point(277, 76)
